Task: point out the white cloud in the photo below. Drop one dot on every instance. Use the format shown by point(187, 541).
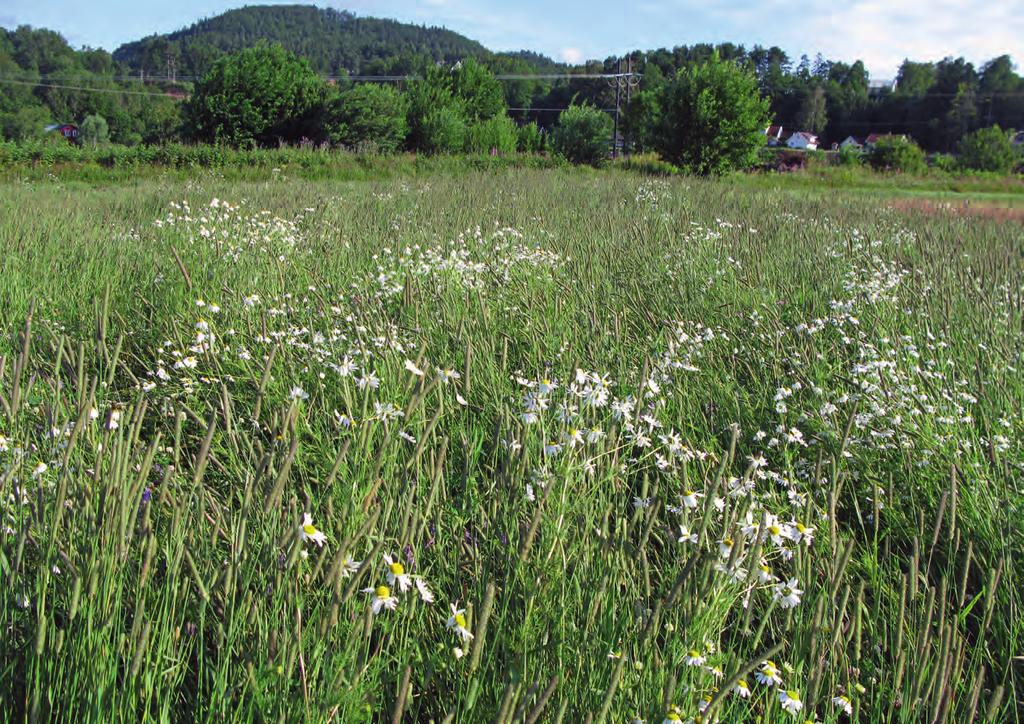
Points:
point(883, 33)
point(572, 55)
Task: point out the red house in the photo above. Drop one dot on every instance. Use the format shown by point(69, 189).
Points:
point(68, 130)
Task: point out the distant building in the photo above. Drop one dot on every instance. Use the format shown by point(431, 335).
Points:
point(879, 87)
point(68, 130)
point(1018, 139)
point(852, 142)
point(803, 140)
point(773, 135)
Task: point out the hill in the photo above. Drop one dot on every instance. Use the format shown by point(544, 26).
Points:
point(334, 41)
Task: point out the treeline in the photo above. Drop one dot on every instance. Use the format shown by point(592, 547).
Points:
point(44, 81)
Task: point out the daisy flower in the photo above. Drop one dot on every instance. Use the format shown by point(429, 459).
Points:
point(382, 599)
point(686, 535)
point(790, 701)
point(425, 593)
point(801, 533)
point(787, 594)
point(694, 658)
point(457, 623)
point(309, 531)
point(350, 566)
point(841, 702)
point(741, 689)
point(768, 674)
point(397, 574)
point(673, 716)
point(690, 498)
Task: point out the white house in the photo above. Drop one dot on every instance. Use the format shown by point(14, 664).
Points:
point(852, 142)
point(1018, 138)
point(804, 140)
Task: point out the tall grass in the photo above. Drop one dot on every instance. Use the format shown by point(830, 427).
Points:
point(656, 441)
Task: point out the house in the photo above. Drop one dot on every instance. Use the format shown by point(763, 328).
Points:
point(857, 144)
point(773, 135)
point(880, 87)
point(803, 140)
point(874, 138)
point(1018, 139)
point(68, 130)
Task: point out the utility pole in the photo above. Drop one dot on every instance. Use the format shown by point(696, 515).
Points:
point(623, 82)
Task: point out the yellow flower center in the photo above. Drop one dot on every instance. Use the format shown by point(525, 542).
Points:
point(774, 529)
point(673, 716)
point(742, 684)
point(694, 653)
point(801, 527)
point(689, 494)
point(795, 696)
point(383, 592)
point(727, 542)
point(397, 568)
point(309, 529)
point(460, 620)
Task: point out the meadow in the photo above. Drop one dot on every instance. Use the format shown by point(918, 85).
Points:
point(509, 445)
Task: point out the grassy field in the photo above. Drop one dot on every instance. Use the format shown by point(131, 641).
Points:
point(527, 445)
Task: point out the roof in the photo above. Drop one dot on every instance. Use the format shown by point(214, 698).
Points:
point(807, 135)
point(773, 131)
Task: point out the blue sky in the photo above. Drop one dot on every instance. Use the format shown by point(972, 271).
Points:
point(880, 32)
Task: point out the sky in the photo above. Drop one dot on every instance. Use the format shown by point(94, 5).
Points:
point(880, 32)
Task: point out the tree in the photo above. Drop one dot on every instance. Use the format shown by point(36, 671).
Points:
point(988, 149)
point(368, 114)
point(713, 118)
point(258, 96)
point(25, 123)
point(480, 92)
point(813, 114)
point(583, 135)
point(94, 130)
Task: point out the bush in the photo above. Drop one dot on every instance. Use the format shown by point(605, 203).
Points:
point(530, 139)
point(892, 153)
point(850, 156)
point(368, 114)
point(713, 118)
point(944, 162)
point(583, 135)
point(497, 134)
point(258, 96)
point(443, 130)
point(988, 149)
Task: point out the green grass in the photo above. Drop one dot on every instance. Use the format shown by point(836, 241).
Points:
point(176, 396)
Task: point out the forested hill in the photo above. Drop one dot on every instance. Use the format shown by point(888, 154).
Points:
point(333, 41)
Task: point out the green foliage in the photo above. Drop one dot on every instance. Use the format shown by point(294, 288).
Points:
point(258, 96)
point(714, 119)
point(988, 149)
point(94, 131)
point(368, 116)
point(583, 135)
point(945, 162)
point(479, 92)
point(850, 156)
point(25, 123)
point(892, 153)
point(442, 130)
point(498, 134)
point(530, 139)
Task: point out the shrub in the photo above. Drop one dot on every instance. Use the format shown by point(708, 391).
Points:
point(496, 134)
point(368, 114)
point(94, 131)
point(583, 135)
point(713, 118)
point(443, 130)
point(530, 139)
point(892, 153)
point(944, 162)
point(988, 149)
point(850, 156)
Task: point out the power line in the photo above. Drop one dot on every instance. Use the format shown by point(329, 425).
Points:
point(120, 91)
point(362, 78)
